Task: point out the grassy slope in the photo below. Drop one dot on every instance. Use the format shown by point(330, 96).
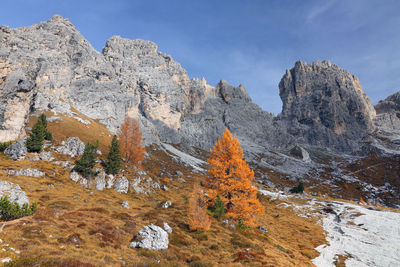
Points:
point(72, 223)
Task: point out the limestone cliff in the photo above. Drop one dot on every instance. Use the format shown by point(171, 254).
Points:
point(324, 105)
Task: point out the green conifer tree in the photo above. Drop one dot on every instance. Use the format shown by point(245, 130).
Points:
point(86, 163)
point(35, 140)
point(47, 134)
point(219, 208)
point(114, 159)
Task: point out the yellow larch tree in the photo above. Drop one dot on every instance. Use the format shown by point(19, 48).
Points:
point(130, 139)
point(230, 177)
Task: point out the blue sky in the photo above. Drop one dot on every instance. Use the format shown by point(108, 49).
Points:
point(244, 42)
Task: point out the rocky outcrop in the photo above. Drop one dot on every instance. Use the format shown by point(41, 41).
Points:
point(324, 105)
point(121, 185)
point(16, 150)
point(73, 146)
point(13, 192)
point(150, 237)
point(388, 117)
point(26, 172)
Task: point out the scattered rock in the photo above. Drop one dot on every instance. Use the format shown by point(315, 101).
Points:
point(150, 237)
point(179, 173)
point(167, 228)
point(47, 156)
point(98, 152)
point(121, 185)
point(182, 180)
point(13, 192)
point(100, 181)
point(16, 150)
point(73, 146)
point(164, 187)
point(167, 204)
point(26, 172)
point(262, 229)
point(125, 204)
point(75, 176)
point(33, 158)
point(227, 222)
point(5, 260)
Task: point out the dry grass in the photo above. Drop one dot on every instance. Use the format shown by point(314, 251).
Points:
point(72, 224)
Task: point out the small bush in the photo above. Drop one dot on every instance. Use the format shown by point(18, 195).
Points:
point(298, 189)
point(3, 146)
point(11, 211)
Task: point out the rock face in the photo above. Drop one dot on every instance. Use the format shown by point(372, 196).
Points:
point(50, 66)
point(13, 192)
point(325, 105)
point(16, 150)
point(121, 185)
point(150, 237)
point(388, 117)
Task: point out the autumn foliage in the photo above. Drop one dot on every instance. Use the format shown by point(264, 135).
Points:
point(130, 139)
point(230, 177)
point(198, 217)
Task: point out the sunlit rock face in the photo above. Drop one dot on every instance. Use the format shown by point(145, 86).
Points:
point(325, 105)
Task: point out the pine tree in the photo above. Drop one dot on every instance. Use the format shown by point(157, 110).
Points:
point(130, 138)
point(230, 177)
point(114, 160)
point(219, 208)
point(47, 134)
point(35, 140)
point(86, 163)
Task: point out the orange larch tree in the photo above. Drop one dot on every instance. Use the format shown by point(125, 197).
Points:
point(198, 217)
point(130, 139)
point(230, 177)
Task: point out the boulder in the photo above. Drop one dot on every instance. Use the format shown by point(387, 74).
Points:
point(125, 204)
point(167, 228)
point(150, 237)
point(13, 192)
point(121, 185)
point(73, 146)
point(300, 153)
point(47, 156)
point(17, 150)
point(100, 181)
point(167, 204)
point(75, 176)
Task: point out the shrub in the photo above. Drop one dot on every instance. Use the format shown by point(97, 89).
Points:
point(11, 211)
point(298, 189)
point(3, 146)
point(86, 163)
point(198, 217)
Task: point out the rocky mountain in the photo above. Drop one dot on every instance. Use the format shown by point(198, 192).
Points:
point(50, 66)
point(388, 118)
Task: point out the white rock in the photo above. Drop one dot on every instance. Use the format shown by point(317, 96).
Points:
point(167, 204)
point(74, 176)
point(13, 192)
point(121, 185)
point(125, 204)
point(167, 228)
point(151, 237)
